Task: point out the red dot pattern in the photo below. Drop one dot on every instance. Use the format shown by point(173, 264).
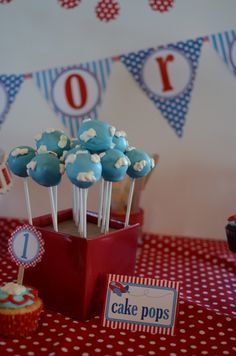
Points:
point(207, 309)
point(5, 1)
point(69, 4)
point(107, 10)
point(7, 226)
point(161, 5)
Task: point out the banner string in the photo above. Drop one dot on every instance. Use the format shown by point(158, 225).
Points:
point(114, 59)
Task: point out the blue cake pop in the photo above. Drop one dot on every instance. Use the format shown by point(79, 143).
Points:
point(75, 149)
point(18, 159)
point(95, 135)
point(140, 163)
point(114, 165)
point(120, 141)
point(52, 140)
point(74, 142)
point(83, 169)
point(46, 169)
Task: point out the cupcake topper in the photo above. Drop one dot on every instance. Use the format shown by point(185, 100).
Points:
point(26, 248)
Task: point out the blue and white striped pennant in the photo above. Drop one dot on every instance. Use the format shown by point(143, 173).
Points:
point(225, 44)
point(75, 92)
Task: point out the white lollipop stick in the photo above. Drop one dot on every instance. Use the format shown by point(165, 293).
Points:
point(81, 220)
point(74, 208)
point(53, 210)
point(27, 200)
point(130, 198)
point(85, 195)
point(54, 189)
point(77, 197)
point(104, 209)
point(108, 207)
point(101, 205)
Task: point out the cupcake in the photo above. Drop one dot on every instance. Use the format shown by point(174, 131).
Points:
point(231, 232)
point(20, 308)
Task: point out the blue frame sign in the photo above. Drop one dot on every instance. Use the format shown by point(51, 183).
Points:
point(141, 304)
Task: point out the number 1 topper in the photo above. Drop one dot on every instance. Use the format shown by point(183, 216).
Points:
point(26, 248)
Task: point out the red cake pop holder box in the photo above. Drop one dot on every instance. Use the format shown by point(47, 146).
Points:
point(71, 277)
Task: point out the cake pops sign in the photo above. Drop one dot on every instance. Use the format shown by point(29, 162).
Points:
point(142, 304)
point(75, 92)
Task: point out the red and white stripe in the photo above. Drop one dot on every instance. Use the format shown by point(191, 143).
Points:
point(5, 178)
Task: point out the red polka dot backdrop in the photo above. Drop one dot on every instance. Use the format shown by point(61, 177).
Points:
point(161, 5)
point(5, 1)
point(207, 309)
point(107, 10)
point(69, 4)
point(7, 226)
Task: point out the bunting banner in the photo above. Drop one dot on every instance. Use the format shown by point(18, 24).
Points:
point(225, 45)
point(166, 75)
point(9, 87)
point(75, 92)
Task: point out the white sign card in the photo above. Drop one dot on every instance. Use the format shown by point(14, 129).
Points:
point(141, 304)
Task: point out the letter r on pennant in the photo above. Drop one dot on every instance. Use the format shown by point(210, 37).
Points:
point(163, 62)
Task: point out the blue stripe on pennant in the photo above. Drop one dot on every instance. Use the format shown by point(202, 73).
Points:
point(102, 75)
point(108, 66)
point(44, 82)
point(222, 42)
point(37, 76)
point(223, 49)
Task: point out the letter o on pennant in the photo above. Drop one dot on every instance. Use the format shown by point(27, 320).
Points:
point(75, 92)
point(166, 73)
point(233, 54)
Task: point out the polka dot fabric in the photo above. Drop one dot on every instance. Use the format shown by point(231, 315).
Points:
point(173, 109)
point(5, 1)
point(161, 5)
point(207, 311)
point(11, 84)
point(69, 4)
point(7, 226)
point(107, 10)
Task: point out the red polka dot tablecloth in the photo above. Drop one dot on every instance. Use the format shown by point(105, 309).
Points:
point(206, 323)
